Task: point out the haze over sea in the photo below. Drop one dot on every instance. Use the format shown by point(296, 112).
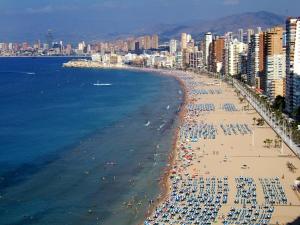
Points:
point(72, 152)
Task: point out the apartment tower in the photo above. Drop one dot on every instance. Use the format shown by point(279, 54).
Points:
point(208, 40)
point(292, 64)
point(275, 68)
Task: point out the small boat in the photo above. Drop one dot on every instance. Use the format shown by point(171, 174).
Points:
point(101, 84)
point(147, 124)
point(111, 163)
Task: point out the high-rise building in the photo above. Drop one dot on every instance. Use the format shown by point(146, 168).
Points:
point(81, 46)
point(259, 30)
point(173, 46)
point(208, 40)
point(147, 42)
point(241, 35)
point(141, 41)
point(256, 61)
point(250, 32)
point(292, 64)
point(25, 46)
point(232, 57)
point(179, 60)
point(195, 59)
point(191, 44)
point(137, 46)
point(49, 38)
point(68, 49)
point(37, 45)
point(261, 79)
point(154, 41)
point(131, 44)
point(183, 41)
point(3, 46)
point(253, 66)
point(188, 38)
point(216, 55)
point(274, 63)
point(10, 46)
point(228, 36)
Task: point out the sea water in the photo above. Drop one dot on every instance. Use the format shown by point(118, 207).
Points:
point(76, 152)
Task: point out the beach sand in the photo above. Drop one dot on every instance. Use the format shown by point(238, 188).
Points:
point(229, 156)
point(233, 155)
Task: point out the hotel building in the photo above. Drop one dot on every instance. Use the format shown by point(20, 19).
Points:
point(275, 61)
point(292, 64)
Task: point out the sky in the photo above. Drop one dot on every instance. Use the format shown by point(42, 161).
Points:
point(22, 20)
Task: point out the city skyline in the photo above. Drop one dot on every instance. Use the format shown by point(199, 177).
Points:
point(99, 19)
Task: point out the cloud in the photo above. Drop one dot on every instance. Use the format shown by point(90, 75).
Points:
point(109, 4)
point(44, 9)
point(231, 2)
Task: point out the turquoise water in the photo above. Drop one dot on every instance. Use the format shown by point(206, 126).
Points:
point(75, 153)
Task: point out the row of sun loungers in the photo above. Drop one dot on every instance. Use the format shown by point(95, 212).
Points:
point(246, 191)
point(229, 107)
point(192, 84)
point(273, 191)
point(251, 212)
point(254, 215)
point(195, 109)
point(192, 201)
point(198, 201)
point(186, 78)
point(235, 129)
point(206, 92)
point(195, 132)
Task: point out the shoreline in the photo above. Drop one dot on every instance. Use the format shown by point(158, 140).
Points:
point(190, 119)
point(111, 162)
point(258, 162)
point(164, 181)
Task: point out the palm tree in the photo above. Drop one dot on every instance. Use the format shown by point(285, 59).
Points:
point(268, 142)
point(280, 143)
point(254, 120)
point(265, 143)
point(276, 143)
point(241, 99)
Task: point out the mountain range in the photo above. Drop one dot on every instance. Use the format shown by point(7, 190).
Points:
point(89, 31)
point(218, 26)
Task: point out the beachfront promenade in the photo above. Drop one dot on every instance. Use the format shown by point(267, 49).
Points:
point(269, 118)
point(224, 172)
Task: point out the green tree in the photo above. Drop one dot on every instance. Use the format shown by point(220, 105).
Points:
point(265, 143)
point(296, 114)
point(254, 120)
point(241, 99)
point(270, 143)
point(279, 103)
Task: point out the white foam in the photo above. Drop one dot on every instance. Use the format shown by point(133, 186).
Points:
point(101, 84)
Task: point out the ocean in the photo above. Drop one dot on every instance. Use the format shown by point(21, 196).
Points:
point(76, 152)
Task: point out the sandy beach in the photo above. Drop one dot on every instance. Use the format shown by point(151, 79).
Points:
point(223, 157)
point(221, 169)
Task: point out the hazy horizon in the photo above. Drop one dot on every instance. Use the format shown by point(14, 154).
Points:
point(97, 19)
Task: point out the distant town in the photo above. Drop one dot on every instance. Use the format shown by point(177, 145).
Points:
point(267, 60)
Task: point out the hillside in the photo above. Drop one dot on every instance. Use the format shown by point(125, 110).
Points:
point(219, 26)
